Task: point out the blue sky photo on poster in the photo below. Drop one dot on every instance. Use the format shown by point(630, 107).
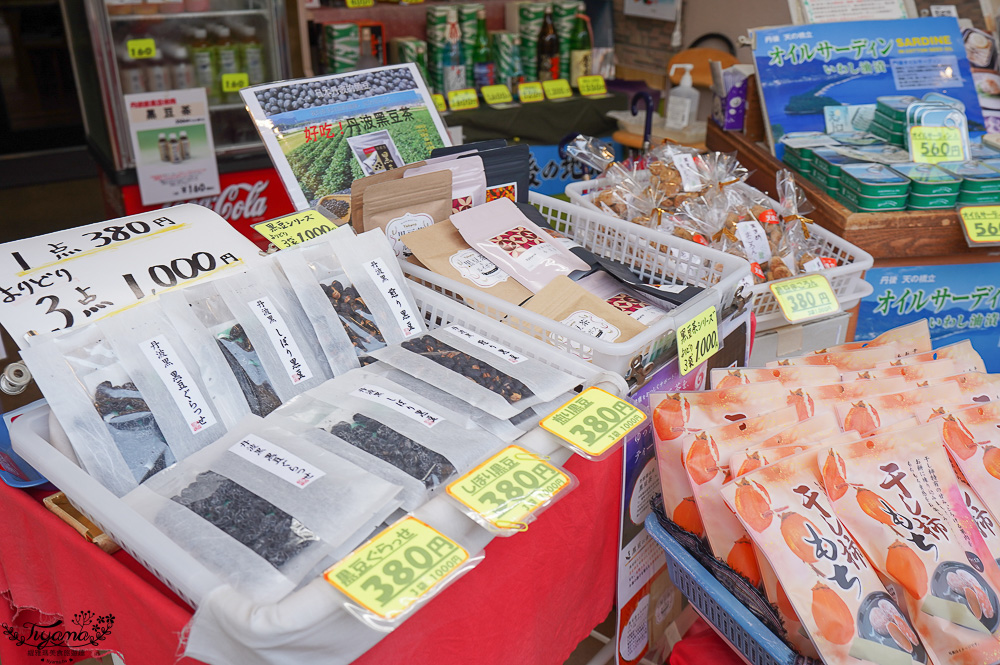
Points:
point(959, 301)
point(803, 68)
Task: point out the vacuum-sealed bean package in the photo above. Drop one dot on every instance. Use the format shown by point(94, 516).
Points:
point(375, 152)
point(468, 179)
point(128, 394)
point(261, 507)
point(483, 372)
point(507, 172)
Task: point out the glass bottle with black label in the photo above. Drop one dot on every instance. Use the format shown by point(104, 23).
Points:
point(548, 48)
point(580, 51)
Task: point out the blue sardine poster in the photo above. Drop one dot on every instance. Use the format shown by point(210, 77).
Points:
point(802, 68)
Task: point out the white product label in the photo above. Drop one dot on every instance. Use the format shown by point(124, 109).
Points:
point(281, 339)
point(689, 173)
point(397, 403)
point(454, 78)
point(227, 61)
point(525, 247)
point(203, 67)
point(751, 234)
point(399, 227)
point(158, 78)
point(678, 112)
point(486, 344)
point(179, 382)
point(476, 268)
point(813, 265)
point(403, 310)
point(275, 459)
point(593, 325)
point(253, 58)
point(818, 141)
point(643, 312)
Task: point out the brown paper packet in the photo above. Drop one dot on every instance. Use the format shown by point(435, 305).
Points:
point(567, 302)
point(361, 184)
point(399, 207)
point(441, 249)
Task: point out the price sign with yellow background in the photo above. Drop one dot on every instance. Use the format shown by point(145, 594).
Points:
point(930, 145)
point(981, 225)
point(141, 48)
point(294, 229)
point(463, 100)
point(530, 92)
point(806, 297)
point(497, 94)
point(593, 422)
point(592, 85)
point(557, 89)
point(697, 340)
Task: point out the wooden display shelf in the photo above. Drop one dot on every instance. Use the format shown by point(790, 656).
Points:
point(884, 235)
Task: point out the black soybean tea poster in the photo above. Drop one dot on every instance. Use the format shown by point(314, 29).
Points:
point(326, 132)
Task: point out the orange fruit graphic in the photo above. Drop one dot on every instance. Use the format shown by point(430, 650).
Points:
point(862, 418)
point(732, 378)
point(753, 505)
point(669, 417)
point(957, 437)
point(702, 461)
point(743, 560)
point(803, 403)
point(833, 616)
point(834, 476)
point(794, 530)
point(688, 517)
point(872, 504)
point(903, 565)
point(753, 461)
point(991, 460)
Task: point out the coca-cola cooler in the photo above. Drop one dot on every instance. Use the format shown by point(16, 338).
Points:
point(194, 39)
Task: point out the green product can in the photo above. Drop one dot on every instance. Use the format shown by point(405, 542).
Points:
point(507, 58)
point(976, 176)
point(830, 161)
point(931, 202)
point(564, 15)
point(437, 25)
point(797, 164)
point(467, 22)
point(868, 203)
point(886, 135)
point(928, 179)
point(822, 179)
point(874, 180)
point(893, 125)
point(803, 154)
point(530, 16)
point(894, 106)
point(343, 46)
point(978, 198)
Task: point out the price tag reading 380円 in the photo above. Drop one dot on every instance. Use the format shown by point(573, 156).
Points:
point(981, 225)
point(390, 573)
point(593, 422)
point(508, 487)
point(805, 297)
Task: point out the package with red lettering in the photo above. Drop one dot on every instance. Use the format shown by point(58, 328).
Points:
point(900, 499)
point(867, 415)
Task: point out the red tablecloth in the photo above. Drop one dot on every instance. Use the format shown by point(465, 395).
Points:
point(532, 600)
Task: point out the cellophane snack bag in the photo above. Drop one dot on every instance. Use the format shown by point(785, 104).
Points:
point(900, 499)
point(972, 436)
point(867, 415)
point(806, 375)
point(846, 361)
point(815, 400)
point(825, 577)
point(705, 458)
point(985, 521)
point(965, 357)
point(924, 373)
point(789, 441)
point(978, 386)
point(913, 338)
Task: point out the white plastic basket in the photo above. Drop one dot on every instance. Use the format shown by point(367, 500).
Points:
point(656, 257)
point(171, 564)
point(847, 279)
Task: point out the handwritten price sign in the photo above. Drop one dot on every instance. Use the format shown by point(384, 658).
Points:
point(497, 94)
point(930, 145)
point(698, 340)
point(807, 297)
point(593, 422)
point(463, 100)
point(529, 93)
point(981, 225)
point(139, 49)
point(557, 89)
point(592, 85)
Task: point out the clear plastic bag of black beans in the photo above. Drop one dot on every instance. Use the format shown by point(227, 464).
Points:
point(479, 370)
point(261, 508)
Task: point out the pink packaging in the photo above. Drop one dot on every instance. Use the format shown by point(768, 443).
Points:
point(806, 375)
point(965, 357)
point(912, 338)
point(847, 361)
point(869, 414)
point(934, 371)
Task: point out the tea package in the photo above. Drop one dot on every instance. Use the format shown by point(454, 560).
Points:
point(797, 376)
point(826, 578)
point(399, 208)
point(846, 361)
point(361, 185)
point(962, 353)
point(441, 249)
point(867, 415)
point(507, 172)
point(468, 180)
point(913, 338)
point(930, 372)
point(467, 148)
point(128, 394)
point(479, 370)
point(375, 152)
point(501, 232)
point(570, 304)
point(613, 292)
point(900, 499)
point(255, 507)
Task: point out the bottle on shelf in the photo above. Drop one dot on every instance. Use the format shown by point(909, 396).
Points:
point(548, 48)
point(181, 69)
point(451, 57)
point(132, 72)
point(580, 49)
point(175, 148)
point(164, 147)
point(682, 103)
point(227, 60)
point(483, 68)
point(366, 54)
point(251, 54)
point(157, 73)
point(185, 145)
point(203, 58)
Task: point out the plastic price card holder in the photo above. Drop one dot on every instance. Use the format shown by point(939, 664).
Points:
point(593, 422)
point(697, 340)
point(391, 572)
point(981, 225)
point(510, 489)
point(497, 94)
point(294, 229)
point(592, 85)
point(930, 145)
point(557, 89)
point(807, 297)
point(439, 103)
point(360, 4)
point(235, 82)
point(463, 100)
point(530, 92)
point(141, 48)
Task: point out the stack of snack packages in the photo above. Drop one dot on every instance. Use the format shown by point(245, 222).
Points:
point(856, 488)
point(703, 198)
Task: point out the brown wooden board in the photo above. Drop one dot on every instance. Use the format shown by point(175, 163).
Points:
point(883, 235)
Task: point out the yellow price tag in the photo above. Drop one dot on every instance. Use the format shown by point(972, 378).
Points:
point(394, 569)
point(806, 297)
point(930, 145)
point(463, 100)
point(981, 225)
point(592, 85)
point(497, 94)
point(558, 89)
point(530, 92)
point(508, 487)
point(439, 103)
point(294, 229)
point(141, 48)
point(697, 340)
point(593, 421)
point(234, 82)
point(360, 4)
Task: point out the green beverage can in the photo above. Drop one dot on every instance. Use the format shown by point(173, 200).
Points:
point(343, 46)
point(437, 26)
point(564, 16)
point(467, 24)
point(507, 58)
point(530, 16)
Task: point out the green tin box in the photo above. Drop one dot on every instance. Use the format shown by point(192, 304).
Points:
point(874, 180)
point(976, 176)
point(928, 179)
